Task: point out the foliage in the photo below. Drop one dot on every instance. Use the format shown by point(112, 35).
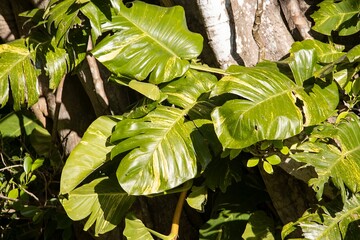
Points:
point(194, 128)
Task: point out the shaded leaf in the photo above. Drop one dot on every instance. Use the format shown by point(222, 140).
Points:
point(91, 153)
point(337, 16)
point(16, 124)
point(268, 110)
point(226, 226)
point(156, 44)
point(18, 73)
point(102, 200)
point(259, 226)
point(340, 163)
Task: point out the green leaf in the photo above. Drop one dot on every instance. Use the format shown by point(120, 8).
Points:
point(268, 110)
point(91, 153)
point(162, 155)
point(354, 54)
point(342, 17)
point(197, 198)
point(326, 53)
point(149, 90)
point(329, 222)
point(91, 11)
point(273, 159)
point(36, 164)
point(268, 167)
point(224, 226)
point(62, 15)
point(164, 148)
point(156, 44)
point(27, 164)
point(135, 229)
point(259, 226)
point(18, 73)
point(16, 124)
point(252, 162)
point(102, 200)
point(303, 65)
point(340, 163)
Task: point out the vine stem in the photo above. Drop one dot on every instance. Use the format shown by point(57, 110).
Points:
point(205, 68)
point(177, 214)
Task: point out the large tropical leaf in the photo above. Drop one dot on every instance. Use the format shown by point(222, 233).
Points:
point(340, 163)
point(150, 40)
point(268, 109)
point(102, 200)
point(332, 221)
point(91, 153)
point(164, 147)
point(18, 73)
point(326, 52)
point(342, 17)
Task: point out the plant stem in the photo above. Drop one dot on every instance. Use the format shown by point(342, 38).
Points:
point(208, 69)
point(177, 214)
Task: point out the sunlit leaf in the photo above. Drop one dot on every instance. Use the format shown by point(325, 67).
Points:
point(268, 167)
point(197, 198)
point(150, 41)
point(102, 200)
point(340, 16)
point(340, 163)
point(268, 109)
point(252, 162)
point(147, 89)
point(326, 52)
point(18, 73)
point(273, 159)
point(135, 229)
point(91, 153)
point(333, 221)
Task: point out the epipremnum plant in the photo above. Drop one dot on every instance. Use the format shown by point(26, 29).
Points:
point(191, 121)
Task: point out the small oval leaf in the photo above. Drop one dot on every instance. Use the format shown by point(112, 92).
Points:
point(268, 167)
point(273, 159)
point(252, 162)
point(27, 164)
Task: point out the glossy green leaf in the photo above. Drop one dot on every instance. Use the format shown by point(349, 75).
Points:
point(340, 163)
point(37, 163)
point(156, 44)
point(303, 65)
point(273, 159)
point(268, 110)
point(162, 155)
point(91, 11)
point(330, 222)
point(62, 15)
point(102, 200)
point(16, 124)
point(147, 89)
point(197, 198)
point(91, 153)
point(168, 141)
point(27, 164)
point(340, 16)
point(354, 54)
point(252, 162)
point(135, 229)
point(57, 65)
point(326, 52)
point(259, 226)
point(268, 167)
point(18, 73)
point(227, 226)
